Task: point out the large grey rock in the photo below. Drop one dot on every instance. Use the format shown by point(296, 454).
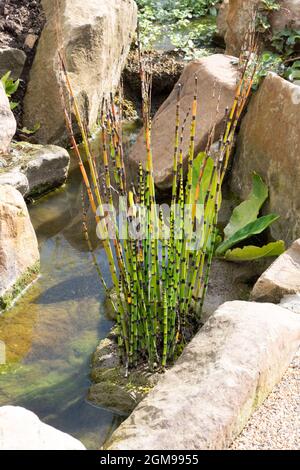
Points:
point(12, 60)
point(21, 429)
point(226, 371)
point(269, 143)
point(8, 125)
point(19, 254)
point(96, 38)
point(281, 278)
point(217, 80)
point(35, 169)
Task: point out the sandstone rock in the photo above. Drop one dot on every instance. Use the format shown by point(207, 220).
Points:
point(226, 371)
point(19, 254)
point(281, 278)
point(291, 302)
point(35, 169)
point(269, 143)
point(30, 40)
point(231, 281)
point(12, 60)
point(222, 18)
point(239, 17)
point(240, 14)
point(8, 125)
point(97, 35)
point(20, 429)
point(287, 16)
point(17, 179)
point(217, 76)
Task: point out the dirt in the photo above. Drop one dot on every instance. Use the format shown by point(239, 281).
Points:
point(18, 20)
point(166, 68)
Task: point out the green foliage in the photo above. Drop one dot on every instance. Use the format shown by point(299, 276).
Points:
point(248, 210)
point(262, 17)
point(292, 72)
point(253, 228)
point(285, 42)
point(177, 20)
point(250, 252)
point(10, 87)
point(245, 223)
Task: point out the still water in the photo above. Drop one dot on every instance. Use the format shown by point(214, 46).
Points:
point(54, 328)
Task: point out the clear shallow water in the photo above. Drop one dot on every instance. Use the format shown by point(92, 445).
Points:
point(54, 328)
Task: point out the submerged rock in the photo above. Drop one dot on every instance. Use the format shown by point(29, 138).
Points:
point(281, 279)
point(19, 254)
point(217, 80)
point(111, 389)
point(226, 371)
point(21, 429)
point(96, 36)
point(35, 169)
point(8, 123)
point(269, 144)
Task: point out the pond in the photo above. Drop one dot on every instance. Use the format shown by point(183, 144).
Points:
point(51, 332)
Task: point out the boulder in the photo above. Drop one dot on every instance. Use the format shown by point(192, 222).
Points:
point(269, 143)
point(217, 79)
point(225, 372)
point(19, 254)
point(12, 60)
point(222, 18)
point(239, 17)
point(287, 16)
point(96, 39)
point(35, 169)
point(282, 278)
point(8, 125)
point(21, 429)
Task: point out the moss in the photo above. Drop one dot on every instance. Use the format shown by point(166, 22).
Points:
point(7, 299)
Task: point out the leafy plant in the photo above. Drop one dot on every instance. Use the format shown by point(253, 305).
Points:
point(175, 19)
point(10, 87)
point(286, 41)
point(244, 223)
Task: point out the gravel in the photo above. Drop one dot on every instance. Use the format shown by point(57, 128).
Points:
point(275, 424)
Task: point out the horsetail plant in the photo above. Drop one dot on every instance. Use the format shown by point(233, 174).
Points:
point(159, 269)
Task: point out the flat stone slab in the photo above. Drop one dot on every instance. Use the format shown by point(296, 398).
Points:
point(34, 169)
point(282, 278)
point(20, 429)
point(226, 371)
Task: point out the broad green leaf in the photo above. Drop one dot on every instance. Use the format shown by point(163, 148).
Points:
point(248, 210)
point(249, 253)
point(254, 228)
